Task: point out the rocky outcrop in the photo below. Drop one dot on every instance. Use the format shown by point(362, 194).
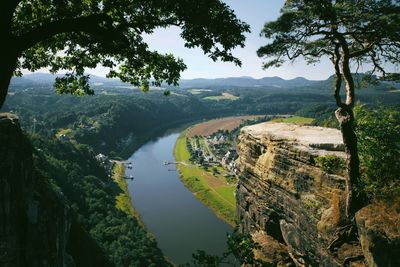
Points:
point(37, 227)
point(290, 205)
point(34, 224)
point(379, 232)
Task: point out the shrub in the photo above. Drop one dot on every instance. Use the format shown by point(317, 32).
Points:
point(331, 164)
point(378, 133)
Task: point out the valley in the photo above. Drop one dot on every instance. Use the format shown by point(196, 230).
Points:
point(169, 211)
point(177, 208)
point(160, 133)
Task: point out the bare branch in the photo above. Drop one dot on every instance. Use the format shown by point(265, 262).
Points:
point(364, 51)
point(376, 63)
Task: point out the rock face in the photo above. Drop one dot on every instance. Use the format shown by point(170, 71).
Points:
point(37, 227)
point(34, 224)
point(291, 206)
point(379, 231)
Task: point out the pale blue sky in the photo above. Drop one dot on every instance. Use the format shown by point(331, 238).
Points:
point(255, 13)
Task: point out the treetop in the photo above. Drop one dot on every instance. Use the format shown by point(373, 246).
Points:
point(312, 29)
point(74, 35)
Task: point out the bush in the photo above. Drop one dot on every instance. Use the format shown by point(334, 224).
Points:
point(331, 164)
point(378, 133)
point(240, 252)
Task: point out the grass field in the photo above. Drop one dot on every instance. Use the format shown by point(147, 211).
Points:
point(296, 120)
point(211, 190)
point(123, 201)
point(199, 91)
point(212, 126)
point(223, 96)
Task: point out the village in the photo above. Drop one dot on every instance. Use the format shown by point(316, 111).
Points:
point(214, 151)
point(211, 146)
point(108, 165)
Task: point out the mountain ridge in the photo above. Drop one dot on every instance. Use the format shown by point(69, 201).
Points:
point(242, 81)
point(197, 83)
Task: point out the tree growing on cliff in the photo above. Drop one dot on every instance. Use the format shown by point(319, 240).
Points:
point(73, 35)
point(364, 32)
point(378, 133)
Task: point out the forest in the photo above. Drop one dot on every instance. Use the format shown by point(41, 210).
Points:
point(86, 187)
point(59, 204)
point(118, 124)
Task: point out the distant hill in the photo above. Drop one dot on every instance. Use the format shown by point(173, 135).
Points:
point(358, 80)
point(46, 78)
point(246, 82)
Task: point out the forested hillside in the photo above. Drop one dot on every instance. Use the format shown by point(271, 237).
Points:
point(91, 193)
point(67, 132)
point(117, 120)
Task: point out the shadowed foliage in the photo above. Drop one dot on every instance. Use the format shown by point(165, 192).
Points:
point(74, 35)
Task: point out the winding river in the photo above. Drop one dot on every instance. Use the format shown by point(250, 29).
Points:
point(180, 223)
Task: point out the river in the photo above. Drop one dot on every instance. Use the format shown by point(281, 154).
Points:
point(180, 223)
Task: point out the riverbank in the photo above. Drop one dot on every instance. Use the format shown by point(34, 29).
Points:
point(123, 201)
point(180, 223)
point(211, 189)
point(154, 132)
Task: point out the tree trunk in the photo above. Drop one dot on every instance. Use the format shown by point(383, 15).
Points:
point(345, 117)
point(10, 47)
point(346, 122)
point(8, 61)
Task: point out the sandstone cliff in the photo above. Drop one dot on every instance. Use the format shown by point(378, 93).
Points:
point(26, 237)
point(290, 205)
point(37, 227)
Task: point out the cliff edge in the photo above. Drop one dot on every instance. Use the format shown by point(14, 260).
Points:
point(37, 227)
point(29, 234)
point(290, 205)
point(293, 205)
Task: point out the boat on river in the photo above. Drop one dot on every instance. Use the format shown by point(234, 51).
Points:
point(129, 165)
point(180, 223)
point(130, 177)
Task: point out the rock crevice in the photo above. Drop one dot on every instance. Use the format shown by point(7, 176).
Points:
point(289, 204)
point(34, 223)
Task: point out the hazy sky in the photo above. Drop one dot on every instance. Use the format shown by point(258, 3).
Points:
point(255, 13)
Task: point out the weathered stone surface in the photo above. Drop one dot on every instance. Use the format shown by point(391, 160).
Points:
point(379, 232)
point(37, 227)
point(34, 224)
point(284, 198)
